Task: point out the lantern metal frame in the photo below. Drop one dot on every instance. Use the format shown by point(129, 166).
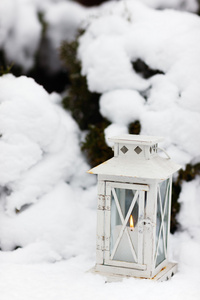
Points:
point(135, 166)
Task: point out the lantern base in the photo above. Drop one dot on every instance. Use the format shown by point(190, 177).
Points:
point(165, 274)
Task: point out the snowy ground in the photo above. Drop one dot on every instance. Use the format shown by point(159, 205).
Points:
point(69, 280)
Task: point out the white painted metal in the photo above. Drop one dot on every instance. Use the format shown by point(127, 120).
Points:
point(124, 264)
point(155, 168)
point(139, 187)
point(140, 228)
point(100, 223)
point(121, 270)
point(139, 169)
point(163, 275)
point(161, 231)
point(147, 153)
point(107, 219)
point(145, 164)
point(116, 149)
point(169, 209)
point(139, 193)
point(162, 225)
point(163, 150)
point(136, 139)
point(150, 229)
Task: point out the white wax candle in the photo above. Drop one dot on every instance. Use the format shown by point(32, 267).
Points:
point(123, 252)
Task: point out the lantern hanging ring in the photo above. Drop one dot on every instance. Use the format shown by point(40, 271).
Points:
point(165, 152)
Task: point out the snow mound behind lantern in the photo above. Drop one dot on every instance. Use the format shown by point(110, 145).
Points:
point(165, 102)
point(39, 142)
point(39, 147)
point(51, 229)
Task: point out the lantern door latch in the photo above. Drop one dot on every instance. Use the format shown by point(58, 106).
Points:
point(147, 222)
point(103, 202)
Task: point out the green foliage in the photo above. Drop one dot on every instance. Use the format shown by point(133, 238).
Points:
point(84, 107)
point(43, 23)
point(95, 147)
point(176, 189)
point(135, 127)
point(142, 68)
point(4, 68)
point(8, 67)
point(188, 174)
point(198, 12)
point(83, 104)
point(90, 2)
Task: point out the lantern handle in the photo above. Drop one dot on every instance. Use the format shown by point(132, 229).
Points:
point(165, 152)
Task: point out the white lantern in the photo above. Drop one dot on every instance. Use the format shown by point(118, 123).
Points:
point(133, 216)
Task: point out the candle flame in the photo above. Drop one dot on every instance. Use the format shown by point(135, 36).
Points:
point(131, 222)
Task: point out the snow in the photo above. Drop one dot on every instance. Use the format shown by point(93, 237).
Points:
point(188, 5)
point(190, 208)
point(165, 104)
point(53, 229)
point(47, 201)
point(119, 100)
point(69, 280)
point(56, 233)
point(39, 142)
point(20, 31)
point(113, 130)
point(63, 19)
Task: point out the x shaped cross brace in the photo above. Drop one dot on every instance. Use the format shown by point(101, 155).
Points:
point(124, 222)
point(162, 227)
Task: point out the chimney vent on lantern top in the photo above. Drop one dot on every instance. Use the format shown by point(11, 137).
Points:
point(135, 146)
point(136, 156)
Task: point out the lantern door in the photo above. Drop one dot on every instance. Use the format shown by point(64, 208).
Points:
point(124, 221)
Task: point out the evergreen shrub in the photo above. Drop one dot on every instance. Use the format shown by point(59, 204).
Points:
point(84, 107)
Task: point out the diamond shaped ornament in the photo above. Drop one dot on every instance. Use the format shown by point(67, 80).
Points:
point(138, 150)
point(124, 149)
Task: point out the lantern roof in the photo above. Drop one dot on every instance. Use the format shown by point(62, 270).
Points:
point(156, 168)
point(137, 156)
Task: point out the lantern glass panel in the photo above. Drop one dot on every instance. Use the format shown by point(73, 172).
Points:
point(124, 214)
point(162, 221)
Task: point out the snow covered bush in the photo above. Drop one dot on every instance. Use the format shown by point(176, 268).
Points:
point(42, 173)
point(185, 5)
point(31, 32)
point(83, 104)
point(19, 32)
point(21, 28)
point(166, 103)
point(145, 69)
point(34, 131)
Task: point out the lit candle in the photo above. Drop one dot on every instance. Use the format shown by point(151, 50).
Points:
point(131, 223)
point(123, 251)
